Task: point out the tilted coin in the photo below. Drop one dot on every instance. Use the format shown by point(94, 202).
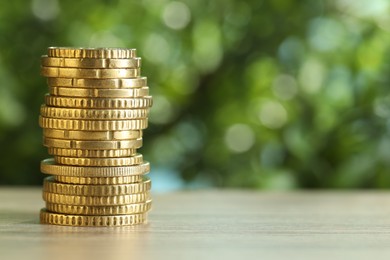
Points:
point(99, 180)
point(93, 125)
point(54, 72)
point(100, 210)
point(95, 53)
point(51, 186)
point(92, 145)
point(98, 83)
point(99, 92)
point(106, 103)
point(92, 135)
point(48, 166)
point(99, 162)
point(47, 217)
point(95, 200)
point(90, 62)
point(90, 153)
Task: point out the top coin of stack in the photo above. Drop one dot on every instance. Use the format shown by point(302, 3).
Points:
point(92, 120)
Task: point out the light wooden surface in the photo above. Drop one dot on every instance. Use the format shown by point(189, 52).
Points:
point(211, 225)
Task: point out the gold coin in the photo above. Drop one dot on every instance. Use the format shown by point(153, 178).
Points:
point(99, 180)
point(91, 153)
point(95, 200)
point(98, 83)
point(94, 53)
point(96, 92)
point(90, 62)
point(99, 162)
point(94, 114)
point(106, 103)
point(51, 186)
point(47, 217)
point(93, 145)
point(48, 166)
point(93, 125)
point(100, 210)
point(92, 135)
point(57, 72)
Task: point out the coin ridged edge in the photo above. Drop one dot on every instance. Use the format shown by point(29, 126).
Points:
point(93, 114)
point(101, 53)
point(99, 180)
point(91, 221)
point(51, 186)
point(95, 200)
point(108, 103)
point(100, 162)
point(48, 166)
point(93, 125)
point(90, 153)
point(100, 210)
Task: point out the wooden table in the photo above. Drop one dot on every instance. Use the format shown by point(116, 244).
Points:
point(217, 224)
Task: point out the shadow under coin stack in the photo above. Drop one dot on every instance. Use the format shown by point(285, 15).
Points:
point(92, 123)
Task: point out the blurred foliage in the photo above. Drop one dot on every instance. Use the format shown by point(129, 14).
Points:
point(258, 94)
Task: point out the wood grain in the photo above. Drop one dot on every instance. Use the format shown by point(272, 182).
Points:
point(217, 224)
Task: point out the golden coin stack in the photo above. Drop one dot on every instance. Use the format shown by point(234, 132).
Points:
point(92, 120)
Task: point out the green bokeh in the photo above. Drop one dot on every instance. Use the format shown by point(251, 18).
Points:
point(258, 94)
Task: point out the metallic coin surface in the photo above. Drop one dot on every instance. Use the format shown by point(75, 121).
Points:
point(98, 83)
point(90, 62)
point(99, 180)
point(92, 135)
point(95, 200)
point(57, 72)
point(95, 53)
point(93, 125)
point(103, 103)
point(100, 210)
point(47, 217)
point(100, 162)
point(93, 119)
point(94, 114)
point(91, 153)
point(48, 166)
point(51, 186)
point(92, 145)
point(99, 93)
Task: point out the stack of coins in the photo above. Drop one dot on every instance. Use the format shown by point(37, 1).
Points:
point(92, 120)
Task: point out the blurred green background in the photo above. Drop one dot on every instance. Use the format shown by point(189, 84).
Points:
point(277, 94)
